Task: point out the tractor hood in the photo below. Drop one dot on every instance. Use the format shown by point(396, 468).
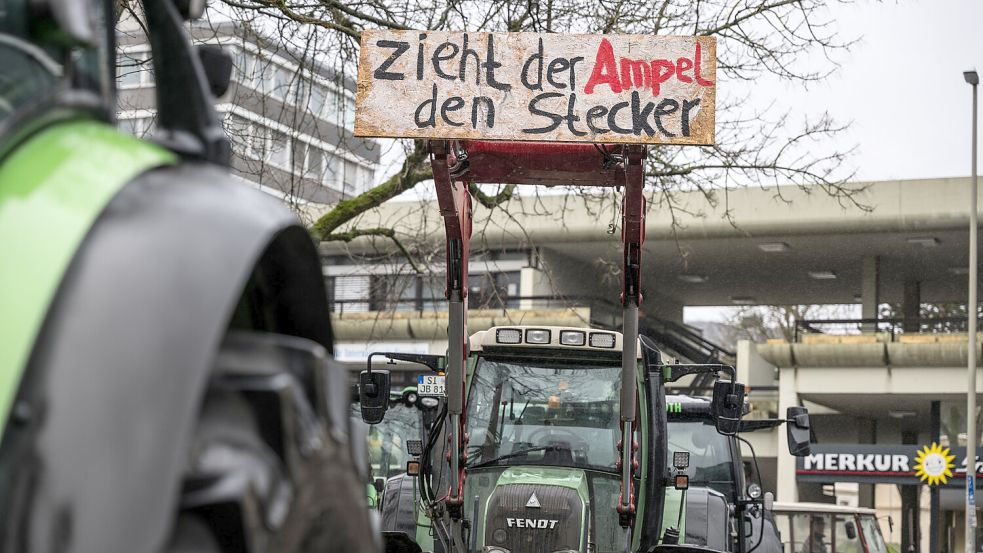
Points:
point(537, 510)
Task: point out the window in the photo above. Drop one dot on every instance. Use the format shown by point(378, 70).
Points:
point(279, 150)
point(318, 98)
point(281, 84)
point(544, 413)
point(710, 462)
point(331, 170)
point(493, 290)
point(134, 69)
point(137, 126)
point(350, 178)
point(872, 534)
point(351, 294)
point(810, 533)
point(315, 163)
point(299, 152)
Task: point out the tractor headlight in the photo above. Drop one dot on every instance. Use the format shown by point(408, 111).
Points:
point(495, 549)
point(573, 338)
point(429, 402)
point(537, 336)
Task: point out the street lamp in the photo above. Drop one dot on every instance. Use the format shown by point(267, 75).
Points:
point(974, 80)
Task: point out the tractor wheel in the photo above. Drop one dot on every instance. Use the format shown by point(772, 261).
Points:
point(263, 473)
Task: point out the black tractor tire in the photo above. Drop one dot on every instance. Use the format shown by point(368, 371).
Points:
point(264, 473)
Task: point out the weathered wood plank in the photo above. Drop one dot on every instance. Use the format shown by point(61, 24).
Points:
point(537, 87)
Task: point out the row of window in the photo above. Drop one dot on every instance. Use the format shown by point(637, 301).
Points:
point(258, 142)
point(254, 141)
point(320, 99)
point(360, 293)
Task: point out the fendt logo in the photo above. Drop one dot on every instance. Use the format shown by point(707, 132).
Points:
point(541, 523)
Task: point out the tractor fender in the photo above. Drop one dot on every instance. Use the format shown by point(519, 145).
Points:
point(101, 425)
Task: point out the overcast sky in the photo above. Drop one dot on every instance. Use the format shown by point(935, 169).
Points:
point(902, 86)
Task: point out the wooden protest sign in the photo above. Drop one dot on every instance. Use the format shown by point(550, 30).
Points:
point(541, 87)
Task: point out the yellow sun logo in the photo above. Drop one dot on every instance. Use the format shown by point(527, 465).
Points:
point(933, 464)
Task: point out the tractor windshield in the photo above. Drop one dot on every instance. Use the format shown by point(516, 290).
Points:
point(711, 459)
point(544, 413)
point(388, 451)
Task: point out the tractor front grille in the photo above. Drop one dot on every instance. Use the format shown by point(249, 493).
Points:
point(513, 524)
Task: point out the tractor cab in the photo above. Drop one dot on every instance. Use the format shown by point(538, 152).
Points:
point(717, 464)
point(543, 431)
point(543, 452)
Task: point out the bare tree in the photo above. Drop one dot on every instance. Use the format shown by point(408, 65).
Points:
point(757, 39)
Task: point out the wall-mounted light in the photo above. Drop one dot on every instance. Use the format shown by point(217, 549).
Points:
point(822, 275)
point(924, 241)
point(774, 247)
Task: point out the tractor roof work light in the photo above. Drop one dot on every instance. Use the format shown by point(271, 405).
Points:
point(573, 338)
point(508, 336)
point(602, 340)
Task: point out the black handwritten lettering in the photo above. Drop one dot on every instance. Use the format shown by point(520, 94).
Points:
point(489, 110)
point(612, 118)
point(430, 121)
point(536, 58)
point(382, 72)
point(534, 109)
point(639, 115)
point(687, 106)
point(573, 71)
point(453, 103)
point(438, 58)
point(419, 57)
point(571, 118)
point(465, 53)
point(558, 65)
point(666, 107)
point(593, 113)
point(491, 65)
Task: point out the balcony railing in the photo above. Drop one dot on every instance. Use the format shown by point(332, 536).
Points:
point(886, 330)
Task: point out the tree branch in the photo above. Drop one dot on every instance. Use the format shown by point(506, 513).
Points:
point(389, 233)
point(415, 169)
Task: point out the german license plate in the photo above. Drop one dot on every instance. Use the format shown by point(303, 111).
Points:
point(430, 385)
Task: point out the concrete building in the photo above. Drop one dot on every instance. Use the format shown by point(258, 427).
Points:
point(290, 119)
point(870, 383)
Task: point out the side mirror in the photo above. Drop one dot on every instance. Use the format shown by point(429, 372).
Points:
point(190, 9)
point(797, 428)
point(851, 530)
point(727, 406)
point(217, 64)
point(373, 395)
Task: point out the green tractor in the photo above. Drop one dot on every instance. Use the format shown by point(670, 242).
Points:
point(166, 379)
point(396, 442)
point(550, 439)
point(719, 469)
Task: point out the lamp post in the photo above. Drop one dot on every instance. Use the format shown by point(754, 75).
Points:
point(974, 80)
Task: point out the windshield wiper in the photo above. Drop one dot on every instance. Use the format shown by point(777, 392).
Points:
point(519, 453)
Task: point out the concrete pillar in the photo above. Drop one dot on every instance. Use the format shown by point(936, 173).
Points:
point(870, 290)
point(788, 396)
point(911, 538)
point(911, 305)
point(534, 282)
point(866, 434)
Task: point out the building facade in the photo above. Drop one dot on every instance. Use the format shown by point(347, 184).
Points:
point(290, 119)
